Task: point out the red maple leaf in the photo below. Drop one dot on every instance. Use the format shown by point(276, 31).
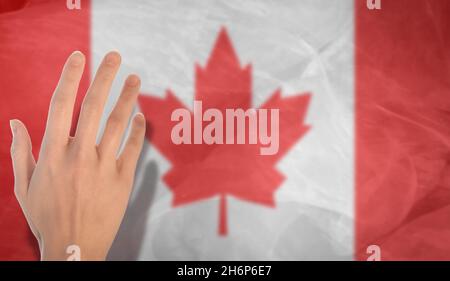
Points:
point(201, 171)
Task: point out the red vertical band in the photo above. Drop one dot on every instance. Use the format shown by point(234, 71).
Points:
point(403, 129)
point(35, 40)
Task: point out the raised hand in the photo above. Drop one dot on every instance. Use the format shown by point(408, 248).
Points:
point(77, 192)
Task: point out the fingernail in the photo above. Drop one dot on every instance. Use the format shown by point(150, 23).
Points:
point(76, 58)
point(133, 80)
point(12, 124)
point(112, 58)
point(140, 119)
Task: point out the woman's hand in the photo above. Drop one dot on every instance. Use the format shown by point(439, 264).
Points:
point(77, 192)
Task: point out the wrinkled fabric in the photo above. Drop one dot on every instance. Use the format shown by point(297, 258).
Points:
point(403, 132)
point(372, 169)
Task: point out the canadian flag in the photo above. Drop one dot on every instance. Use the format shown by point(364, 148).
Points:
point(359, 161)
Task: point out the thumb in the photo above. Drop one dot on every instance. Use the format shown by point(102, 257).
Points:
point(22, 158)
